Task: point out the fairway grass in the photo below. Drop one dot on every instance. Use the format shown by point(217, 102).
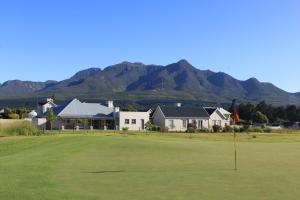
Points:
point(158, 166)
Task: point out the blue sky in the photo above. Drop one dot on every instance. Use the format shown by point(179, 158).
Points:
point(53, 39)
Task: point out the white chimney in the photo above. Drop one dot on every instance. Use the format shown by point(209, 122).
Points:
point(178, 104)
point(49, 100)
point(117, 109)
point(110, 104)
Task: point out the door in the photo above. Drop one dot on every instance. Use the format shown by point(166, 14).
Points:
point(142, 124)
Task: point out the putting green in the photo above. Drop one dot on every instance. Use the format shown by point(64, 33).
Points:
point(148, 167)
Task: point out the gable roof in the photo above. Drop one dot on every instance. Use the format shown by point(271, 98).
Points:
point(77, 109)
point(220, 110)
point(184, 112)
point(210, 110)
point(224, 112)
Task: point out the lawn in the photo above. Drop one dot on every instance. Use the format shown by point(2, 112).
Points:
point(157, 166)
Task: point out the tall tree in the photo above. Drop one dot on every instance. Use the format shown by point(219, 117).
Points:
point(260, 117)
point(50, 116)
point(247, 111)
point(292, 113)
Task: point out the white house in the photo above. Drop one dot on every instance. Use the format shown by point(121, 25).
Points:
point(43, 106)
point(131, 120)
point(32, 114)
point(81, 115)
point(177, 118)
point(218, 116)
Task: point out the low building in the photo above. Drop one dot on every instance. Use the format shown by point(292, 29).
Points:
point(178, 118)
point(80, 115)
point(132, 120)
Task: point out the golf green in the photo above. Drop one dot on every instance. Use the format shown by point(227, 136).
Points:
point(108, 166)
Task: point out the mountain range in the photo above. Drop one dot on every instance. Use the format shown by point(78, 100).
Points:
point(179, 81)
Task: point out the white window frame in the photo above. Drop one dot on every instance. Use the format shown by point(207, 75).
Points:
point(200, 123)
point(184, 123)
point(171, 123)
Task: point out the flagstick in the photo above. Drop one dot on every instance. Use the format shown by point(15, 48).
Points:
point(234, 140)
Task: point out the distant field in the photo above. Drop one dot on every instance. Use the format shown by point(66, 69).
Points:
point(156, 166)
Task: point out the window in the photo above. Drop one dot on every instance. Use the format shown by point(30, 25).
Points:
point(126, 121)
point(171, 122)
point(200, 124)
point(184, 123)
point(133, 121)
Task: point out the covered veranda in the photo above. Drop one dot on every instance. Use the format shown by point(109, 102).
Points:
point(87, 123)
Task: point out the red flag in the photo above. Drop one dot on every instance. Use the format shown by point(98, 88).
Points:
point(235, 116)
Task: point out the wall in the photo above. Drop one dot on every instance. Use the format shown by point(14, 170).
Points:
point(217, 116)
point(178, 123)
point(138, 116)
point(158, 118)
point(40, 122)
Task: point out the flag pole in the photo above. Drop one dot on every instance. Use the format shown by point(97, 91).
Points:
point(235, 151)
point(235, 120)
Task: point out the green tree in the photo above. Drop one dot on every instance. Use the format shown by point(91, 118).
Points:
point(130, 108)
point(266, 109)
point(149, 126)
point(22, 112)
point(247, 111)
point(50, 117)
point(260, 117)
point(292, 113)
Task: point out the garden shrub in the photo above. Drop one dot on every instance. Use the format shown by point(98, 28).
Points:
point(227, 129)
point(216, 128)
point(13, 116)
point(21, 129)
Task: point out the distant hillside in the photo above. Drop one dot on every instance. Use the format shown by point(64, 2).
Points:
point(136, 81)
point(17, 88)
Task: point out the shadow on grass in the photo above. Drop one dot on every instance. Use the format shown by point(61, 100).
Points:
point(104, 172)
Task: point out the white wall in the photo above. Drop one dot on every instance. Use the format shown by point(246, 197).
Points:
point(137, 116)
point(178, 123)
point(40, 122)
point(221, 121)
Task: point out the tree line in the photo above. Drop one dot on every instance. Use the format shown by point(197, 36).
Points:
point(266, 113)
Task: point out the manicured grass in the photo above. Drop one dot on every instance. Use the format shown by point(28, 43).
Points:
point(156, 166)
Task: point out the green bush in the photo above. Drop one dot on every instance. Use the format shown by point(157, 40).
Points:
point(13, 116)
point(191, 128)
point(257, 130)
point(227, 129)
point(21, 129)
point(156, 128)
point(267, 130)
point(203, 130)
point(216, 128)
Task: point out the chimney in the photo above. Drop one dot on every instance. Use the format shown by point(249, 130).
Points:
point(178, 104)
point(116, 109)
point(110, 104)
point(49, 100)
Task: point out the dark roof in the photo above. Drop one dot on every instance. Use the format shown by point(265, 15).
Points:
point(184, 112)
point(41, 103)
point(210, 110)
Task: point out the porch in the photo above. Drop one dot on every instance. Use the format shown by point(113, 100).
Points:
point(87, 124)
